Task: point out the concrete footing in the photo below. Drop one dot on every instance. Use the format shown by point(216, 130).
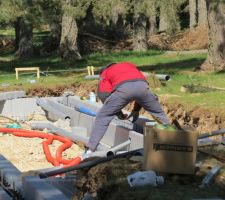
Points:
point(32, 187)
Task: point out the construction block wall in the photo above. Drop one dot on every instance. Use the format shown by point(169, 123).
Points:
point(18, 108)
point(11, 95)
point(118, 131)
point(71, 112)
point(136, 140)
point(115, 135)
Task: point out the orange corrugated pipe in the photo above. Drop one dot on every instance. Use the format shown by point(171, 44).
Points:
point(58, 160)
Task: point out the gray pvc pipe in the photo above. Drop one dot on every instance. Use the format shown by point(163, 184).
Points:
point(91, 77)
point(59, 131)
point(163, 77)
point(213, 133)
point(45, 105)
point(111, 151)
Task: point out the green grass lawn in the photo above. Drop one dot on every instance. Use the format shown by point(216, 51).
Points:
point(179, 66)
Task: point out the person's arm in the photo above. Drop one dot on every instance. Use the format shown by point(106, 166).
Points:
point(136, 107)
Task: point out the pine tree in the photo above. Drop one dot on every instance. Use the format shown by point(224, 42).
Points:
point(169, 19)
point(193, 13)
point(21, 14)
point(216, 49)
point(72, 11)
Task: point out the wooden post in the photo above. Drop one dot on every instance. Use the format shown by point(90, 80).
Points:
point(27, 69)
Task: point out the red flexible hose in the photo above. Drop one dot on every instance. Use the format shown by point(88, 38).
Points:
point(50, 138)
point(47, 152)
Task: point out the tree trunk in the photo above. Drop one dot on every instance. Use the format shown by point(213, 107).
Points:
point(216, 49)
point(53, 41)
point(68, 43)
point(169, 20)
point(163, 23)
point(202, 12)
point(25, 49)
point(55, 34)
point(192, 12)
point(140, 34)
point(152, 25)
point(17, 33)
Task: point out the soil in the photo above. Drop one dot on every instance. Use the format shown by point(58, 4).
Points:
point(185, 40)
point(203, 120)
point(27, 153)
point(95, 178)
point(108, 181)
point(190, 39)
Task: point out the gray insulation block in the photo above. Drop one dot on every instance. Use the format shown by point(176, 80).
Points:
point(4, 195)
point(11, 95)
point(137, 140)
point(11, 175)
point(39, 189)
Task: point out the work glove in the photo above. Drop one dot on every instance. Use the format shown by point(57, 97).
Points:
point(121, 115)
point(134, 114)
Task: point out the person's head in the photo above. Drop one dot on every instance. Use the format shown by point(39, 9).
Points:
point(105, 67)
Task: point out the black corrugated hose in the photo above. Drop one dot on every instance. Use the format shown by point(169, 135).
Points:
point(85, 164)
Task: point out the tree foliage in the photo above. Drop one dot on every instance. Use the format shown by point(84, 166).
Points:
point(170, 9)
point(50, 10)
point(76, 8)
point(109, 11)
point(146, 7)
point(10, 10)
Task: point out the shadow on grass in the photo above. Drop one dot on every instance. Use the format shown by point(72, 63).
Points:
point(174, 67)
point(45, 63)
point(221, 72)
point(52, 63)
point(8, 62)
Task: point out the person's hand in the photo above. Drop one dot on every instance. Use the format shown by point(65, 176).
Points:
point(134, 115)
point(122, 116)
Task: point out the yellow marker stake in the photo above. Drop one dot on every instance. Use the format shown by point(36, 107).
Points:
point(90, 70)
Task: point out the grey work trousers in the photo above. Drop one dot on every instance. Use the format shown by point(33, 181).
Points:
point(127, 92)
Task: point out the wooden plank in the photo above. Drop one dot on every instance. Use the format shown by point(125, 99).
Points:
point(19, 69)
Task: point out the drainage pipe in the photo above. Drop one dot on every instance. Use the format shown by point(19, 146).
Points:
point(162, 77)
point(50, 138)
point(113, 150)
point(91, 77)
point(75, 137)
point(47, 152)
point(85, 110)
point(52, 128)
point(213, 133)
point(59, 131)
point(45, 105)
point(45, 173)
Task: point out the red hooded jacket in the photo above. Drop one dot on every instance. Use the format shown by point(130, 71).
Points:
point(116, 74)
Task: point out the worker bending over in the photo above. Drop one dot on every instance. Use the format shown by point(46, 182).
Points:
point(120, 84)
